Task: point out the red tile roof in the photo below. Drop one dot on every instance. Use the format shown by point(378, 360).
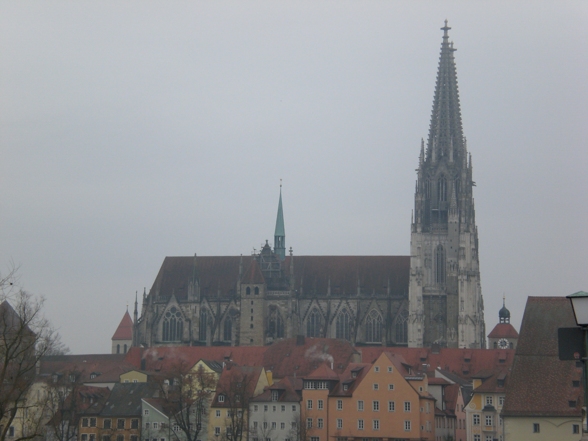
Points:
point(540, 384)
point(106, 368)
point(288, 357)
point(323, 372)
point(504, 330)
point(253, 274)
point(289, 390)
point(125, 328)
point(301, 356)
point(167, 358)
point(236, 379)
point(462, 362)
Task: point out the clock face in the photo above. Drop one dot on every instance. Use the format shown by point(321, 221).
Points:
point(503, 343)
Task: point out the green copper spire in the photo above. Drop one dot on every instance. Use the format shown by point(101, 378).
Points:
point(280, 233)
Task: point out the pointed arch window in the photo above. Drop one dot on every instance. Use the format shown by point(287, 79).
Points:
point(342, 326)
point(401, 327)
point(440, 264)
point(228, 330)
point(279, 326)
point(313, 324)
point(373, 327)
point(173, 325)
point(442, 189)
point(203, 325)
point(275, 324)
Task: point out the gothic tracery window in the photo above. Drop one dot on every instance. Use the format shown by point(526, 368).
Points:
point(342, 325)
point(427, 189)
point(279, 325)
point(203, 325)
point(228, 329)
point(440, 264)
point(313, 324)
point(373, 327)
point(173, 325)
point(442, 189)
point(275, 323)
point(401, 327)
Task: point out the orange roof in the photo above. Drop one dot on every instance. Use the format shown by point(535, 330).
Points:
point(125, 328)
point(503, 330)
point(323, 372)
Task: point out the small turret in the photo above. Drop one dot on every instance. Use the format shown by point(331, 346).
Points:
point(504, 314)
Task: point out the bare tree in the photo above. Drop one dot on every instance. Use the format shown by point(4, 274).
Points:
point(187, 394)
point(25, 337)
point(237, 389)
point(299, 430)
point(263, 430)
point(67, 398)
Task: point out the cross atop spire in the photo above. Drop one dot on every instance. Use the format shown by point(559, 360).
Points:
point(445, 29)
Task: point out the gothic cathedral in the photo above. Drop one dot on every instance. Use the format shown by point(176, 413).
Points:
point(430, 297)
point(445, 297)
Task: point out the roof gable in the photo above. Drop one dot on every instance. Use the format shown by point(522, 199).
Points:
point(125, 328)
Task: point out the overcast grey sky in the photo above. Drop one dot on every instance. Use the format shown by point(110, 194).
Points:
point(135, 130)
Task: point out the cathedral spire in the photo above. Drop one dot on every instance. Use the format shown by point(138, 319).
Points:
point(136, 311)
point(445, 131)
point(280, 233)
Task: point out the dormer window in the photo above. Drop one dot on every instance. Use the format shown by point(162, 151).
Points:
point(275, 395)
point(221, 398)
point(345, 387)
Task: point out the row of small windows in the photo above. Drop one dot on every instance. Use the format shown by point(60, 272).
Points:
point(248, 291)
point(320, 424)
point(275, 408)
point(360, 405)
point(267, 425)
point(107, 423)
point(92, 437)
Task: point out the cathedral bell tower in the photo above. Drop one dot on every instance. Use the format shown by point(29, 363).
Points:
point(445, 300)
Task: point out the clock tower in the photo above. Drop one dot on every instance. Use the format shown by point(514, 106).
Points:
point(504, 335)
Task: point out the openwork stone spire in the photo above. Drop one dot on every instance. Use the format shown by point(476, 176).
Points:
point(445, 298)
point(445, 131)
